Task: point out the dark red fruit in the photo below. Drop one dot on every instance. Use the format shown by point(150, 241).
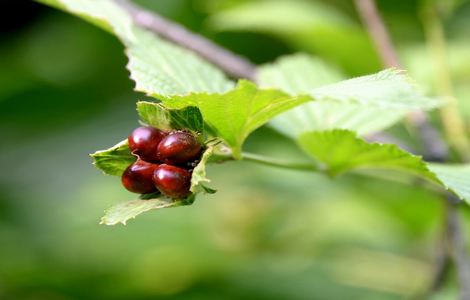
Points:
point(137, 178)
point(179, 147)
point(144, 141)
point(172, 181)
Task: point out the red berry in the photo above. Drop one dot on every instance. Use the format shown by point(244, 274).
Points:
point(179, 147)
point(137, 178)
point(144, 141)
point(172, 181)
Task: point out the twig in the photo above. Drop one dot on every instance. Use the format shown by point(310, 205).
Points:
point(435, 149)
point(231, 63)
point(377, 30)
point(442, 264)
point(456, 239)
point(450, 249)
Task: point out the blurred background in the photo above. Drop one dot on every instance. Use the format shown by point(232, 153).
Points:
point(267, 234)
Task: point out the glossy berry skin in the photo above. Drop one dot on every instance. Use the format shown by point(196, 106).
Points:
point(179, 147)
point(172, 181)
point(144, 141)
point(137, 178)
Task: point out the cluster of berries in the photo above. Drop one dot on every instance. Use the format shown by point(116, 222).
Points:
point(165, 161)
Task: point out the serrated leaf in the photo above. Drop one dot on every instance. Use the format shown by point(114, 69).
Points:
point(364, 104)
point(237, 113)
point(325, 115)
point(158, 116)
point(158, 67)
point(125, 211)
point(298, 73)
point(115, 160)
point(341, 151)
point(199, 174)
point(454, 177)
point(389, 88)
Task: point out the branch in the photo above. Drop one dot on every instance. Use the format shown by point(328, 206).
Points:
point(229, 62)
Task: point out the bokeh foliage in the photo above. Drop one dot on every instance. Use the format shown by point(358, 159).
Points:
point(267, 234)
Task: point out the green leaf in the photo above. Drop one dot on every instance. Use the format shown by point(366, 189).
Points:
point(389, 88)
point(364, 104)
point(237, 113)
point(115, 160)
point(199, 173)
point(298, 73)
point(158, 116)
point(454, 177)
point(341, 150)
point(158, 67)
point(122, 212)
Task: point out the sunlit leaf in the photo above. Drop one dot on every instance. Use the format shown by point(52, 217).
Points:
point(364, 104)
point(235, 114)
point(160, 68)
point(341, 151)
point(125, 211)
point(199, 178)
point(454, 177)
point(388, 89)
point(158, 116)
point(115, 160)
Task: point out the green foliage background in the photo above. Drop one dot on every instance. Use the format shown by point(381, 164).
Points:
point(267, 234)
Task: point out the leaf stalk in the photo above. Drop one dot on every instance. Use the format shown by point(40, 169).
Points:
point(269, 161)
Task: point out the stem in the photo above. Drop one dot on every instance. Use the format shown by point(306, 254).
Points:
point(226, 60)
point(451, 248)
point(450, 116)
point(268, 161)
point(457, 245)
